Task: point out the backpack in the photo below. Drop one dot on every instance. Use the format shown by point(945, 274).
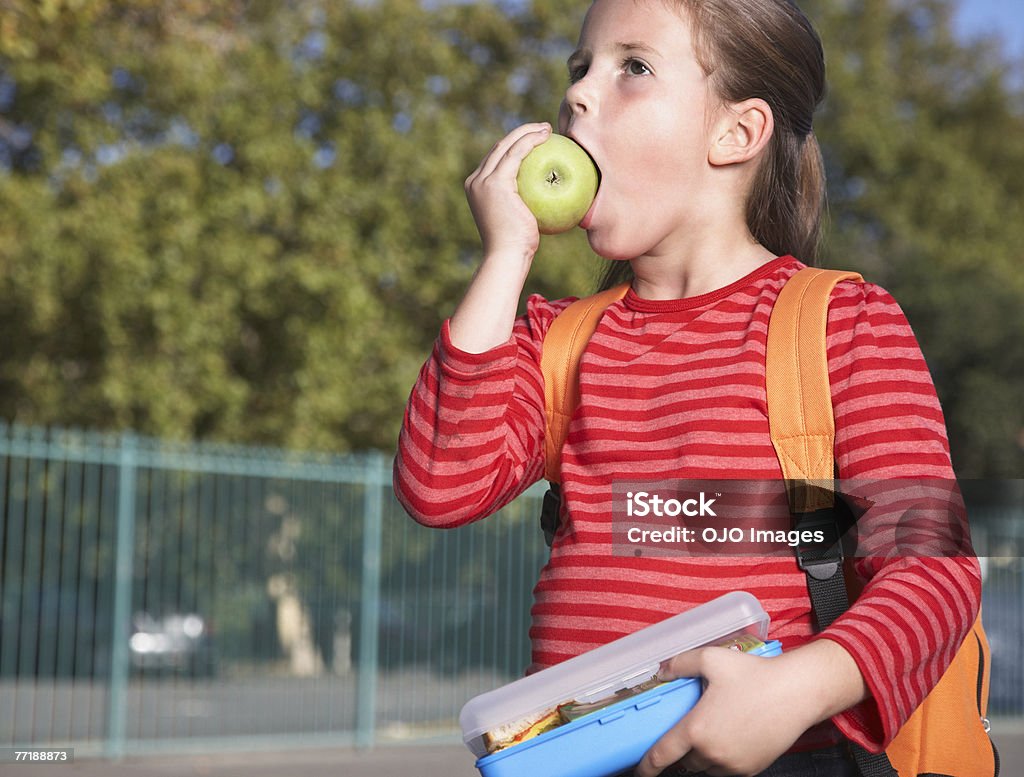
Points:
point(947, 736)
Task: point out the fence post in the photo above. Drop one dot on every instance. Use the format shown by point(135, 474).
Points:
point(121, 621)
point(369, 610)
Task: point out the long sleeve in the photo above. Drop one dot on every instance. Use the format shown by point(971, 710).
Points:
point(915, 610)
point(473, 434)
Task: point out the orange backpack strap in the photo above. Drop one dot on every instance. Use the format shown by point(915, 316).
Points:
point(802, 428)
point(563, 347)
point(800, 416)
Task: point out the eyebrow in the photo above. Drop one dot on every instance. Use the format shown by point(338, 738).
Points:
point(624, 48)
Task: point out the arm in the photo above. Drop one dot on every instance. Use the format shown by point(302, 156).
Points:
point(510, 237)
point(874, 665)
point(914, 612)
point(472, 435)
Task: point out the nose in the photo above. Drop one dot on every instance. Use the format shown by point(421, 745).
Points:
point(579, 99)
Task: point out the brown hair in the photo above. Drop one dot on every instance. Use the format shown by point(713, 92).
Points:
point(767, 49)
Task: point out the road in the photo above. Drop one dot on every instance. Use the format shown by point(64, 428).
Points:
point(435, 759)
point(48, 710)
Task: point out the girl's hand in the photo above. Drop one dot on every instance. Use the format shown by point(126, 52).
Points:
point(506, 225)
point(753, 708)
point(486, 315)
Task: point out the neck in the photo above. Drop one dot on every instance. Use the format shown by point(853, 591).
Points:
point(699, 269)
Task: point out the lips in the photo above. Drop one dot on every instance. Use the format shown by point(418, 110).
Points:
point(589, 215)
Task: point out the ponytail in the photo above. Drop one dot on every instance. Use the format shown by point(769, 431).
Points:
point(811, 201)
point(787, 198)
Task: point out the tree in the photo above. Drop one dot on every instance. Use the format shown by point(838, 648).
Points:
point(923, 139)
point(244, 221)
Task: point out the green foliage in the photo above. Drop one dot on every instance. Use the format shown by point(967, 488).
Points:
point(924, 143)
point(245, 221)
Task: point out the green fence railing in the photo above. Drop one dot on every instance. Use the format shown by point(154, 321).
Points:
point(152, 592)
point(158, 595)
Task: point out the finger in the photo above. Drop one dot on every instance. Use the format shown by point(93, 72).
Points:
point(502, 148)
point(670, 755)
point(688, 664)
point(497, 152)
point(502, 168)
point(678, 751)
point(678, 769)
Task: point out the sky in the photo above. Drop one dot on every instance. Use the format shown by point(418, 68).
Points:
point(1005, 17)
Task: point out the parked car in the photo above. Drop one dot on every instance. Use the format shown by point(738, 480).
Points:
point(181, 643)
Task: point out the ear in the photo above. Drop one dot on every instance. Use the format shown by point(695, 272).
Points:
point(741, 132)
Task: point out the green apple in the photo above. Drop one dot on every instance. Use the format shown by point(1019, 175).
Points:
point(558, 182)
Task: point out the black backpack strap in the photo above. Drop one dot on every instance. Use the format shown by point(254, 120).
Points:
point(822, 561)
point(823, 565)
point(872, 764)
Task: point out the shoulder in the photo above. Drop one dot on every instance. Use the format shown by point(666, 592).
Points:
point(871, 345)
point(855, 308)
point(539, 314)
point(532, 325)
point(889, 422)
point(848, 298)
point(862, 312)
point(541, 307)
point(864, 296)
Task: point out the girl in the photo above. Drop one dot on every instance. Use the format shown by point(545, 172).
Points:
point(698, 115)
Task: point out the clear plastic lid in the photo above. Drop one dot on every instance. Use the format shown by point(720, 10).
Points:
point(611, 667)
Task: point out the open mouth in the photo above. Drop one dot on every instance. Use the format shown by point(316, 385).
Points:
point(585, 223)
point(593, 161)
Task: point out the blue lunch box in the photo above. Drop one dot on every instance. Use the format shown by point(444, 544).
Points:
point(613, 738)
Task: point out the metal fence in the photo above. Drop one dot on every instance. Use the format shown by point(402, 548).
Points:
point(157, 595)
point(152, 592)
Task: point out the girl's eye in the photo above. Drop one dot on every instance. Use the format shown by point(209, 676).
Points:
point(635, 67)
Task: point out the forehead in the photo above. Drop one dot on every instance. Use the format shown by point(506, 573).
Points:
point(646, 21)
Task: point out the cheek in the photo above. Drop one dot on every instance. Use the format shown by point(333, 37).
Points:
point(659, 167)
point(660, 152)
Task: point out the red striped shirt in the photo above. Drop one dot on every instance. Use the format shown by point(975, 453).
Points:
point(675, 389)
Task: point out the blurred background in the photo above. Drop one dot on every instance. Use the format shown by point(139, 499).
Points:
point(229, 233)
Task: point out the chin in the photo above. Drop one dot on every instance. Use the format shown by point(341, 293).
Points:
point(608, 248)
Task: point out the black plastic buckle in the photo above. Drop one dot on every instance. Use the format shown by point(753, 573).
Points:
point(821, 559)
point(551, 512)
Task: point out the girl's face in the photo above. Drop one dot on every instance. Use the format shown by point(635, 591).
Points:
point(637, 102)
